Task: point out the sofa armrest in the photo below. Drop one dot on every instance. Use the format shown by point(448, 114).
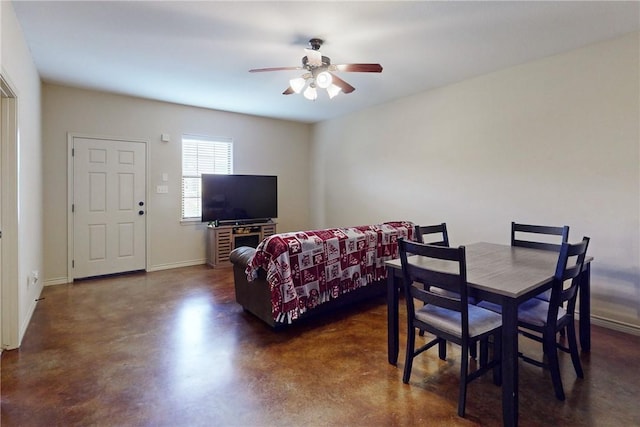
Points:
point(242, 256)
point(254, 296)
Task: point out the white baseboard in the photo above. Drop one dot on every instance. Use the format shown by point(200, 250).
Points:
point(615, 325)
point(65, 280)
point(23, 328)
point(57, 281)
point(176, 265)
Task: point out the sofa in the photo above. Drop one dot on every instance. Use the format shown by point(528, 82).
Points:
point(294, 276)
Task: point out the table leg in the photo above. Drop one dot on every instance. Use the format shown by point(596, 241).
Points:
point(393, 343)
point(585, 308)
point(510, 363)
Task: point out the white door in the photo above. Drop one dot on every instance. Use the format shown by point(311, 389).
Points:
point(109, 206)
point(2, 142)
point(9, 292)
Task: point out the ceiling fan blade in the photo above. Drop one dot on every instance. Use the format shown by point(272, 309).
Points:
point(259, 70)
point(346, 87)
point(288, 91)
point(359, 68)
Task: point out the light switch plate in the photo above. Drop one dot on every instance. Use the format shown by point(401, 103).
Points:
point(162, 189)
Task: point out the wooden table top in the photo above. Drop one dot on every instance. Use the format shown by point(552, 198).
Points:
point(499, 269)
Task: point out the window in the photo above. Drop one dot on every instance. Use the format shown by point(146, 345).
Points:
point(201, 155)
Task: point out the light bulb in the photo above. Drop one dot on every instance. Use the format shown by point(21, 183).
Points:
point(324, 79)
point(311, 93)
point(297, 84)
point(333, 90)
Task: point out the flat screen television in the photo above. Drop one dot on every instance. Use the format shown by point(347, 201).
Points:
point(239, 198)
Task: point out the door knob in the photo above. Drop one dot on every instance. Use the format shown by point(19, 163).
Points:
point(140, 203)
point(140, 212)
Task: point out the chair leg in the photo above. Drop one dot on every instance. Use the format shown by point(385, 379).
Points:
point(497, 356)
point(573, 348)
point(473, 351)
point(421, 332)
point(408, 361)
point(484, 351)
point(550, 349)
point(464, 363)
point(442, 349)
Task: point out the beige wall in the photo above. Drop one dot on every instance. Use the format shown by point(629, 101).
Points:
point(555, 141)
point(22, 219)
point(261, 146)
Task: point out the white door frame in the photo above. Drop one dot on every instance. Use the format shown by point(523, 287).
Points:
point(9, 298)
point(70, 194)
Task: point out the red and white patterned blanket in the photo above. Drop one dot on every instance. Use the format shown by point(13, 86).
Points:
point(306, 268)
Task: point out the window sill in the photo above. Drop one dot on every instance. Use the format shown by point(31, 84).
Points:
point(191, 221)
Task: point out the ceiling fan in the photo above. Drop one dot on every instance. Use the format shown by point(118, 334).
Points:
point(320, 73)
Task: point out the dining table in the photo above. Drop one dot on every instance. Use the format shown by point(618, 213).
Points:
point(505, 275)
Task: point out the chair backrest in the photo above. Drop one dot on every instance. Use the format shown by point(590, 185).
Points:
point(541, 230)
point(423, 234)
point(568, 269)
point(437, 266)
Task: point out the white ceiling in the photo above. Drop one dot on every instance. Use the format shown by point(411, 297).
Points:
point(199, 53)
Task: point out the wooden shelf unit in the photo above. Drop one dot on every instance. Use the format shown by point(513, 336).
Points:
point(223, 239)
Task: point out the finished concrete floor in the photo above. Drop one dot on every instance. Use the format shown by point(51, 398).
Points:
point(172, 348)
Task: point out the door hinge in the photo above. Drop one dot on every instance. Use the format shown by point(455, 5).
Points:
point(73, 207)
point(73, 263)
point(73, 152)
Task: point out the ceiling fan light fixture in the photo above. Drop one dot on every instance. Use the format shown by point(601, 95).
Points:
point(333, 90)
point(319, 74)
point(310, 93)
point(297, 84)
point(324, 79)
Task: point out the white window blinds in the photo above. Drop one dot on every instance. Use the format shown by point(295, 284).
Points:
point(201, 155)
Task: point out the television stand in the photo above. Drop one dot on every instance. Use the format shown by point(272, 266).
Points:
point(221, 240)
point(245, 222)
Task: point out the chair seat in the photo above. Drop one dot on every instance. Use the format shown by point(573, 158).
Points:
point(545, 296)
point(533, 311)
point(481, 321)
point(444, 292)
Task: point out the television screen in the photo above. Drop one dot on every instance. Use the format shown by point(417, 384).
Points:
point(239, 197)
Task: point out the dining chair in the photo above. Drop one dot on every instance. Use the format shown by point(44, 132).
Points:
point(437, 234)
point(421, 231)
point(522, 235)
point(518, 239)
point(429, 230)
point(447, 318)
point(542, 320)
